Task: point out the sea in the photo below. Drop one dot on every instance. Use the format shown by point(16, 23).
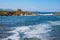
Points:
point(43, 27)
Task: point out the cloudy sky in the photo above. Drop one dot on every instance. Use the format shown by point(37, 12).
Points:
point(31, 5)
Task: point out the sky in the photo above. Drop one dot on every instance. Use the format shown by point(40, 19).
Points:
point(32, 5)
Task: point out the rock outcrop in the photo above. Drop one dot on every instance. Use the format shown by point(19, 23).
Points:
point(57, 13)
point(18, 12)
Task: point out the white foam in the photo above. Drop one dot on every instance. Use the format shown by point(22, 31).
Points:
point(21, 29)
point(35, 32)
point(38, 30)
point(53, 23)
point(16, 36)
point(47, 14)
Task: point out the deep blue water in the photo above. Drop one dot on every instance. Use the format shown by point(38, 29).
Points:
point(19, 27)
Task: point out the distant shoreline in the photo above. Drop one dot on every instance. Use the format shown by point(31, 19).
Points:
point(19, 12)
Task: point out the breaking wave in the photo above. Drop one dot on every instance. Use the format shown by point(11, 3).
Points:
point(38, 31)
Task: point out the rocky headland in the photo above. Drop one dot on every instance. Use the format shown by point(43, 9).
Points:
point(18, 12)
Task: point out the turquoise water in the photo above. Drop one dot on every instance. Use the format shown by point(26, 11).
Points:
point(20, 27)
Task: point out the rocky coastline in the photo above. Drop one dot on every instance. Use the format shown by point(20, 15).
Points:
point(18, 12)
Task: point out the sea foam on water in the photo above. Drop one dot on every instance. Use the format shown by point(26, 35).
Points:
point(38, 31)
